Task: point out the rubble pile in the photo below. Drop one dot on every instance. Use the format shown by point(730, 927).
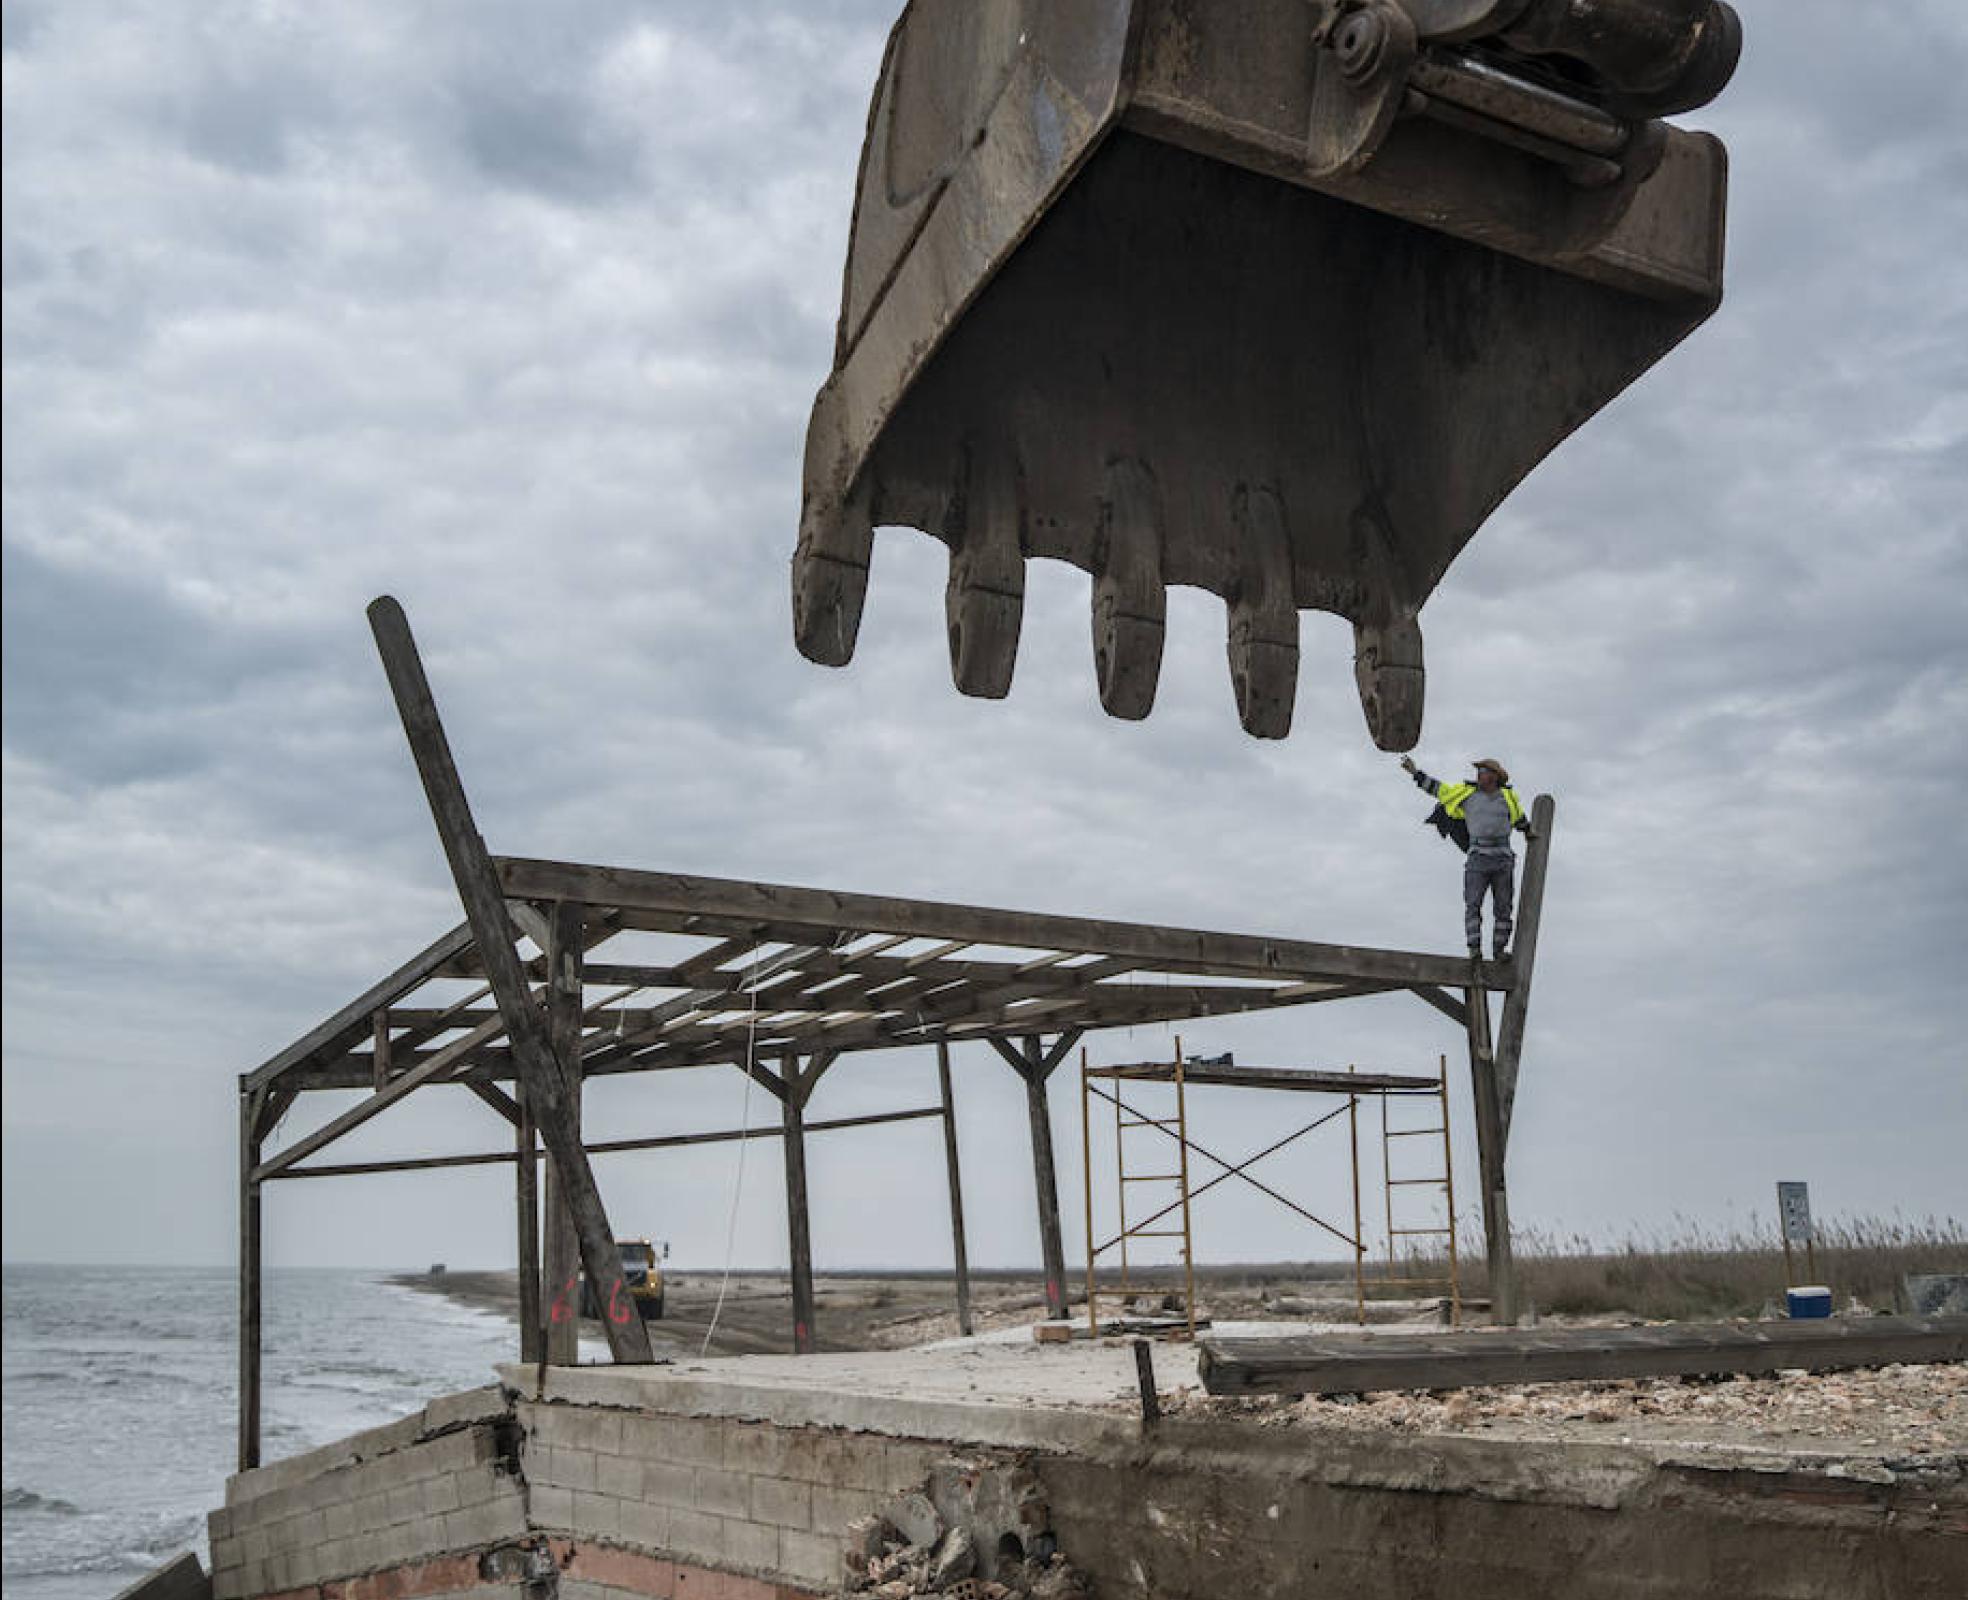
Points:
point(974, 1531)
point(1893, 1409)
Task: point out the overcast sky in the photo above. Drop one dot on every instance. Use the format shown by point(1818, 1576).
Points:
point(516, 311)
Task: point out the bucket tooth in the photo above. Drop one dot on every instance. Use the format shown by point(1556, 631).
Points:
point(1263, 618)
point(1130, 606)
point(984, 600)
point(1387, 669)
point(836, 543)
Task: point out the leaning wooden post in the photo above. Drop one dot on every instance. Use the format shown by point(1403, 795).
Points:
point(562, 1269)
point(249, 1281)
point(959, 1253)
point(544, 1077)
point(1045, 1178)
point(792, 1108)
point(1517, 1003)
point(1489, 1156)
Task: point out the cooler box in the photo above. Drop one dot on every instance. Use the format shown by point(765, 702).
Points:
point(1810, 1301)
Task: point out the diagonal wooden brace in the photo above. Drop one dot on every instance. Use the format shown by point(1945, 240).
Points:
point(543, 1076)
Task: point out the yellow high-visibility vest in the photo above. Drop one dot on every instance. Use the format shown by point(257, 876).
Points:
point(1454, 796)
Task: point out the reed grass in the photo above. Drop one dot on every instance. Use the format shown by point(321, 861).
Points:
point(1693, 1272)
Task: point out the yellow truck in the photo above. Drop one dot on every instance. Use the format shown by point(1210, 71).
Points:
point(642, 1276)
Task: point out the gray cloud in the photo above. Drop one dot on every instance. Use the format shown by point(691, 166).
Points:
point(517, 312)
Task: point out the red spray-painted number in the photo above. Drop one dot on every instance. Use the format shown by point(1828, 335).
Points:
point(617, 1312)
point(562, 1311)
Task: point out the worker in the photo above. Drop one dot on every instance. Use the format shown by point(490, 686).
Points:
point(1479, 817)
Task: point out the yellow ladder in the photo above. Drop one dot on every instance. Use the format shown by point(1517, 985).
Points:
point(1434, 1136)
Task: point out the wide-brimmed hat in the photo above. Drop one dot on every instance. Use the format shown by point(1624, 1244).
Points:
point(1494, 766)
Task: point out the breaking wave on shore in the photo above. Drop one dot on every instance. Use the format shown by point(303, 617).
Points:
point(119, 1400)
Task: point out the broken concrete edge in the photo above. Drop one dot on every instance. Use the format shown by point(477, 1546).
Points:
point(446, 1414)
point(1507, 1467)
point(181, 1578)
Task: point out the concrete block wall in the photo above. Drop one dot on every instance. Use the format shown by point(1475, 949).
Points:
point(743, 1498)
point(409, 1498)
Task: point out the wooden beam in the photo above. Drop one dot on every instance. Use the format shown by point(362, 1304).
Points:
point(599, 1147)
point(792, 1112)
point(1489, 1161)
point(1037, 1069)
point(545, 1077)
point(526, 1204)
point(1298, 1079)
point(1442, 1001)
point(497, 1099)
point(432, 1066)
point(352, 1021)
point(1517, 1004)
point(560, 1264)
point(1361, 1363)
point(680, 894)
point(960, 1255)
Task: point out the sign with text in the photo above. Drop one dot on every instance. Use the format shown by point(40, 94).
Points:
point(1794, 1212)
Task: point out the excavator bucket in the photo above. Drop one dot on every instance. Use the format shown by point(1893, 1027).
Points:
point(1275, 298)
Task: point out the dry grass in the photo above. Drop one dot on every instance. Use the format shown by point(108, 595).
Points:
point(1696, 1274)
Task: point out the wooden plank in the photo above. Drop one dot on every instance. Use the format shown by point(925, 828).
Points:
point(497, 1099)
point(1245, 955)
point(544, 1076)
point(960, 1254)
point(1517, 1004)
point(352, 1021)
point(1361, 1363)
point(1300, 1079)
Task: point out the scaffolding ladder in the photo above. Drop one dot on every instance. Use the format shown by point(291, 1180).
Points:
point(1434, 1136)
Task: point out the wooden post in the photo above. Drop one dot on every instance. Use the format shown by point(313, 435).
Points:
point(562, 1270)
point(526, 1194)
point(1489, 1158)
point(1517, 1003)
point(1044, 1177)
point(959, 1254)
point(533, 1052)
point(792, 1108)
point(249, 1280)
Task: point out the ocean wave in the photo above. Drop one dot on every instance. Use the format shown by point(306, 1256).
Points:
point(18, 1499)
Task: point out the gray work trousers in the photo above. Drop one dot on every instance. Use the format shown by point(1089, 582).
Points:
point(1495, 876)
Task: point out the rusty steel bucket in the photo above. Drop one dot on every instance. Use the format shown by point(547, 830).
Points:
point(1275, 298)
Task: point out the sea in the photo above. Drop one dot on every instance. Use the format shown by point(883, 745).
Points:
point(119, 1400)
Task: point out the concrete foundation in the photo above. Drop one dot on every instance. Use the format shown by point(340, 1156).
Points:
point(738, 1479)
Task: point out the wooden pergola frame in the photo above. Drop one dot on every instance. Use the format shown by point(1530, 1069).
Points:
point(781, 983)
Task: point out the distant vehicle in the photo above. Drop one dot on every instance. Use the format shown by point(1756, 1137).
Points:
point(642, 1276)
point(437, 1269)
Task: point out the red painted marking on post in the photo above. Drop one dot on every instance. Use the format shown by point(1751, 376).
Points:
point(562, 1312)
point(617, 1312)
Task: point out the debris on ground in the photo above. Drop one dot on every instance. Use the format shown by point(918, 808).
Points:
point(976, 1530)
point(1894, 1409)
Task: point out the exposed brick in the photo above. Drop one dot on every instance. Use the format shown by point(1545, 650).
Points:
point(496, 1519)
point(584, 1427)
point(833, 1509)
point(782, 1502)
point(571, 1467)
point(759, 1449)
point(406, 1503)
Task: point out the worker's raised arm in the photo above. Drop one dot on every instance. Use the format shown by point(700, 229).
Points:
point(1422, 779)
